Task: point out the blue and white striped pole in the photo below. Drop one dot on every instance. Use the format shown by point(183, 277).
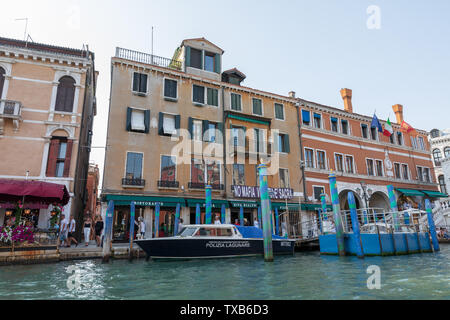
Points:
point(355, 224)
point(432, 226)
point(337, 215)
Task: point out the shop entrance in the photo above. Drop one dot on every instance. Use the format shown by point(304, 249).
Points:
point(248, 216)
point(121, 226)
point(214, 212)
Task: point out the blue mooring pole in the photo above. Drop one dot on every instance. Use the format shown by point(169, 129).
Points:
point(259, 217)
point(394, 208)
point(355, 224)
point(223, 213)
point(432, 226)
point(266, 213)
point(157, 210)
point(277, 223)
point(177, 219)
point(132, 221)
point(241, 216)
point(337, 215)
point(208, 202)
point(197, 214)
point(108, 231)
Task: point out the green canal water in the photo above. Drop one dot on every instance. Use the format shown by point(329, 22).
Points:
point(303, 276)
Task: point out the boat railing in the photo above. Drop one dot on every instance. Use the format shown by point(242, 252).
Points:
point(376, 220)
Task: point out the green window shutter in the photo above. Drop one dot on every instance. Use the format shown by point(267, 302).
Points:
point(160, 124)
point(136, 78)
point(216, 97)
point(205, 127)
point(286, 143)
point(220, 127)
point(128, 125)
point(217, 62)
point(190, 125)
point(188, 56)
point(147, 121)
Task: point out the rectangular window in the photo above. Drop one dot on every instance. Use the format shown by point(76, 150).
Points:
point(279, 111)
point(197, 131)
point(339, 162)
point(284, 178)
point(238, 175)
point(317, 121)
point(238, 136)
point(212, 97)
point(236, 102)
point(420, 173)
point(170, 88)
point(370, 171)
point(260, 140)
point(197, 171)
point(391, 139)
point(139, 82)
point(379, 167)
point(309, 158)
point(209, 61)
point(399, 138)
point(137, 120)
point(318, 191)
point(283, 143)
point(374, 134)
point(134, 165)
point(421, 143)
point(168, 168)
point(257, 106)
point(364, 131)
point(397, 172)
point(61, 158)
point(349, 164)
point(196, 58)
point(306, 117)
point(212, 132)
point(405, 172)
point(334, 125)
point(198, 94)
point(414, 142)
point(344, 126)
point(169, 127)
point(213, 174)
point(321, 160)
point(426, 175)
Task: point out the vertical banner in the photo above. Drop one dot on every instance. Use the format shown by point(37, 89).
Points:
point(337, 215)
point(394, 208)
point(266, 213)
point(197, 214)
point(223, 213)
point(355, 224)
point(208, 200)
point(157, 210)
point(431, 225)
point(277, 223)
point(177, 219)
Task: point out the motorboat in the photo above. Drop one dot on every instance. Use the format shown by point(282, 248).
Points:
point(213, 241)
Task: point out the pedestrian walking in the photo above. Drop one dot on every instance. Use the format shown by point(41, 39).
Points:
point(142, 227)
point(87, 231)
point(62, 231)
point(98, 228)
point(71, 233)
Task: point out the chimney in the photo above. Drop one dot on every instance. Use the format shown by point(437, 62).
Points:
point(292, 94)
point(347, 97)
point(398, 110)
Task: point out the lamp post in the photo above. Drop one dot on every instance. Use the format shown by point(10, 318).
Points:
point(364, 191)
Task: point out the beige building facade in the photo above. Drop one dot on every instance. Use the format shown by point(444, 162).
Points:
point(47, 108)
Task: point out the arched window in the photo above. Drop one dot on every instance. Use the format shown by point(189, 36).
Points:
point(2, 80)
point(65, 95)
point(441, 180)
point(437, 157)
point(447, 152)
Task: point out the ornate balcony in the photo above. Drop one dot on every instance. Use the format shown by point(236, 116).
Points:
point(10, 109)
point(133, 183)
point(168, 184)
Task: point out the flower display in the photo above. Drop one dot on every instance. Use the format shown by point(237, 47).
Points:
point(19, 234)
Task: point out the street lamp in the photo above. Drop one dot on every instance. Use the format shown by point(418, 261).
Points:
point(364, 190)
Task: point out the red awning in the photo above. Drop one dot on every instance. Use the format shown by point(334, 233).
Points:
point(37, 192)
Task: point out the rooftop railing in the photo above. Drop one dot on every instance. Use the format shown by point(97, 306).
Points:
point(148, 59)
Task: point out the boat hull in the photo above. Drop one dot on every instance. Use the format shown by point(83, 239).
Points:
point(210, 248)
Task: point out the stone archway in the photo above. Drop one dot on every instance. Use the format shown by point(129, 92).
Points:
point(343, 200)
point(379, 200)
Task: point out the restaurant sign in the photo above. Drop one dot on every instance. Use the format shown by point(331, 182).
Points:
point(246, 192)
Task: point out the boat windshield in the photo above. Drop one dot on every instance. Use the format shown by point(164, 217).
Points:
point(214, 232)
point(187, 232)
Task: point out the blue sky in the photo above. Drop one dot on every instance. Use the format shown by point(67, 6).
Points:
point(312, 47)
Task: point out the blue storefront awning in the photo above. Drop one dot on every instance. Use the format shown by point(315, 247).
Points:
point(435, 194)
point(411, 192)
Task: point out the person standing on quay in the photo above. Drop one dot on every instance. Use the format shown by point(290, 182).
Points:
point(62, 231)
point(98, 228)
point(256, 223)
point(71, 235)
point(87, 231)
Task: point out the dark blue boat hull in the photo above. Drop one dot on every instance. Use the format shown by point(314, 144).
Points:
point(210, 248)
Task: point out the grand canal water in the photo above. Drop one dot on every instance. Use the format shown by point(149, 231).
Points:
point(304, 276)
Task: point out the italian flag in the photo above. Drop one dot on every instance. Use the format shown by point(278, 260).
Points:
point(388, 131)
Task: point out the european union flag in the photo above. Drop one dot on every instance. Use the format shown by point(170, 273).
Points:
point(376, 124)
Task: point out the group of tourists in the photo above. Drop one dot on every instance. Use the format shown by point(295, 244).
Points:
point(67, 231)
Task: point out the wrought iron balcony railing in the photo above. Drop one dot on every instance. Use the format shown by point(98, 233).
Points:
point(148, 58)
point(168, 184)
point(133, 182)
point(200, 185)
